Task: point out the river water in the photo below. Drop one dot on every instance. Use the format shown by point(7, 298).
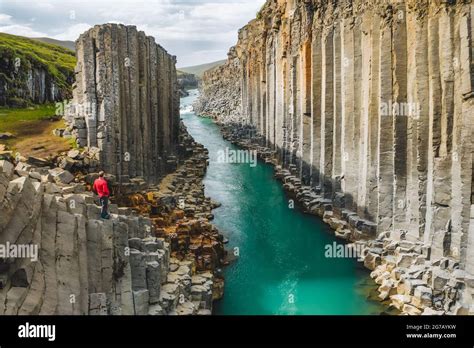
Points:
point(281, 268)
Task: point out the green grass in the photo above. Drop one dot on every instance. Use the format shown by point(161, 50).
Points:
point(56, 58)
point(33, 131)
point(32, 127)
point(12, 120)
point(58, 61)
point(71, 45)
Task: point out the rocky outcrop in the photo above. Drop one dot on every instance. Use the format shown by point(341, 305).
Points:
point(186, 82)
point(158, 253)
point(221, 94)
point(58, 257)
point(126, 101)
point(368, 107)
point(33, 85)
point(33, 72)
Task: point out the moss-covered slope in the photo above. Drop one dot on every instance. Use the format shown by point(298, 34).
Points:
point(33, 72)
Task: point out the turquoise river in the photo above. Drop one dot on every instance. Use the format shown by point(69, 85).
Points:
point(281, 268)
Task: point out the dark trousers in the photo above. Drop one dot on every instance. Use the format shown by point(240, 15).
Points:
point(104, 203)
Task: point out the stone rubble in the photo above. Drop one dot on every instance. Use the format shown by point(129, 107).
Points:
point(157, 254)
point(306, 86)
point(180, 213)
point(130, 264)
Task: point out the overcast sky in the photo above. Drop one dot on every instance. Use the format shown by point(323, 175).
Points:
point(197, 31)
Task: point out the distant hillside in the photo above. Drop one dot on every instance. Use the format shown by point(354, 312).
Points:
point(34, 72)
point(66, 44)
point(186, 82)
point(199, 70)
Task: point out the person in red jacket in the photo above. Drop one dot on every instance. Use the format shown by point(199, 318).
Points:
point(102, 189)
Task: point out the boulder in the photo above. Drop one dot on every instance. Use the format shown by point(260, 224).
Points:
point(405, 260)
point(68, 164)
point(155, 309)
point(411, 310)
point(422, 297)
point(410, 284)
point(186, 308)
point(398, 301)
point(73, 154)
point(6, 135)
point(6, 155)
point(431, 311)
point(6, 168)
point(439, 279)
point(61, 176)
point(38, 162)
point(23, 168)
point(372, 260)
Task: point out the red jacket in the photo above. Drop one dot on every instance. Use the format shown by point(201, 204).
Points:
point(101, 187)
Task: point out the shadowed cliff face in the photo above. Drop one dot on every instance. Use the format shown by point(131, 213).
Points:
point(58, 257)
point(141, 260)
point(33, 72)
point(372, 103)
point(186, 82)
point(126, 101)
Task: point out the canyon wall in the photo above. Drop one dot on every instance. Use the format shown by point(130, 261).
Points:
point(57, 255)
point(33, 85)
point(126, 101)
point(33, 72)
point(371, 105)
point(186, 82)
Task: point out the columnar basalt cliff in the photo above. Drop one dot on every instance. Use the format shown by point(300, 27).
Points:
point(158, 252)
point(368, 106)
point(126, 101)
point(57, 256)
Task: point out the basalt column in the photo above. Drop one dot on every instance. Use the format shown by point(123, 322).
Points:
point(126, 101)
point(372, 103)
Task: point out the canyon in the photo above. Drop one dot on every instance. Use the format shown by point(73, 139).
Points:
point(126, 101)
point(366, 109)
point(158, 252)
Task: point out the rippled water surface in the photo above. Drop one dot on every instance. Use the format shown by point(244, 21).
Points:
point(282, 268)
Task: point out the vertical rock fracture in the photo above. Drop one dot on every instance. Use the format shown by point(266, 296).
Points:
point(126, 101)
point(368, 107)
point(57, 256)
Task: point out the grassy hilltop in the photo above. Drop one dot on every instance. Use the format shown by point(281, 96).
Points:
point(29, 118)
point(21, 59)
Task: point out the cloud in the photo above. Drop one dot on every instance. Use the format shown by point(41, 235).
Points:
point(73, 32)
point(197, 31)
point(5, 19)
point(7, 26)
